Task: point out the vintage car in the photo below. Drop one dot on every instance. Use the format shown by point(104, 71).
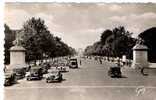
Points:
point(46, 65)
point(63, 68)
point(44, 68)
point(19, 72)
point(73, 63)
point(35, 73)
point(54, 76)
point(115, 71)
point(10, 79)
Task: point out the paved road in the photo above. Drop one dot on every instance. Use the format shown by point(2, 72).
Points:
point(89, 82)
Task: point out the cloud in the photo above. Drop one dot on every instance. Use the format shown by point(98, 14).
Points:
point(135, 22)
point(15, 18)
point(49, 21)
point(48, 18)
point(134, 17)
point(97, 30)
point(149, 15)
point(82, 24)
point(101, 4)
point(115, 7)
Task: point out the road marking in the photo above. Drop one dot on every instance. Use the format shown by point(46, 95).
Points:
point(48, 87)
point(140, 90)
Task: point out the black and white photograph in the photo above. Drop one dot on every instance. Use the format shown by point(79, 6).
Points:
point(79, 51)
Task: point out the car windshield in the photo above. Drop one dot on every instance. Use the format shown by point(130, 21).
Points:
point(17, 69)
point(73, 59)
point(73, 63)
point(54, 72)
point(7, 75)
point(116, 69)
point(34, 69)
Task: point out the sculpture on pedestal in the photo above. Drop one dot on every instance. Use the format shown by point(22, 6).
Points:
point(18, 39)
point(17, 53)
point(140, 56)
point(140, 41)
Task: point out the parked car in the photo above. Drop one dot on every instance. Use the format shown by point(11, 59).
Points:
point(34, 73)
point(10, 79)
point(115, 72)
point(73, 63)
point(19, 72)
point(54, 76)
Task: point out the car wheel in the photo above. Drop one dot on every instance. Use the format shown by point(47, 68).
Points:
point(47, 81)
point(59, 80)
point(120, 75)
point(28, 78)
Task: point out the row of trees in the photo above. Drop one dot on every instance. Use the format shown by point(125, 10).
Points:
point(115, 42)
point(149, 38)
point(37, 40)
point(9, 38)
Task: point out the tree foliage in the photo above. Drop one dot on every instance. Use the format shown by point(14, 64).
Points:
point(38, 41)
point(8, 43)
point(149, 40)
point(115, 42)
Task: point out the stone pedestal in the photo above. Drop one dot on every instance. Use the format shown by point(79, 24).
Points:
point(17, 57)
point(140, 57)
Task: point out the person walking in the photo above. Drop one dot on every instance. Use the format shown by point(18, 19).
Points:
point(80, 62)
point(100, 60)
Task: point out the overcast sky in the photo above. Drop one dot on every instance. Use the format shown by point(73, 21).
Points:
point(80, 25)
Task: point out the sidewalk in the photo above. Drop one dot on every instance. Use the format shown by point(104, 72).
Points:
point(152, 65)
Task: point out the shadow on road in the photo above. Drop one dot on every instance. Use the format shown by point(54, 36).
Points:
point(120, 77)
point(123, 76)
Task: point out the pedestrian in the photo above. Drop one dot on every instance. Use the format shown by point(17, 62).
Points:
point(124, 59)
point(118, 60)
point(80, 61)
point(118, 64)
point(100, 60)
